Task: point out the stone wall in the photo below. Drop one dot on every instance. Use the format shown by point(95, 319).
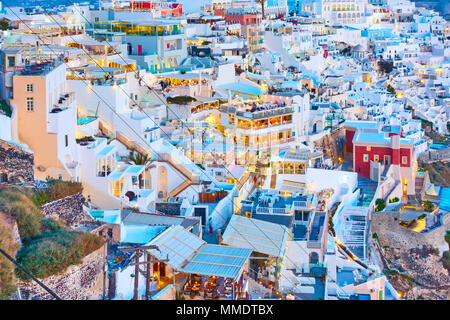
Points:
point(171, 209)
point(16, 163)
point(79, 282)
point(68, 209)
point(390, 233)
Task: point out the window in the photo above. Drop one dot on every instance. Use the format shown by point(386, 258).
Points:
point(30, 104)
point(404, 160)
point(11, 61)
point(66, 140)
point(376, 157)
point(368, 148)
point(29, 87)
point(366, 158)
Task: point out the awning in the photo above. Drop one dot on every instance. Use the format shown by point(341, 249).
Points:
point(134, 170)
point(218, 260)
point(106, 151)
point(177, 245)
point(115, 175)
point(261, 236)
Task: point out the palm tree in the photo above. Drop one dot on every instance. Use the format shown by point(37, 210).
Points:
point(138, 158)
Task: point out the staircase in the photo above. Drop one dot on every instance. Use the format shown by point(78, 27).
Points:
point(419, 185)
point(175, 192)
point(329, 148)
point(367, 188)
point(191, 179)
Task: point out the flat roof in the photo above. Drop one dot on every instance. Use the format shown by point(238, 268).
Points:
point(139, 218)
point(361, 124)
point(261, 236)
point(242, 88)
point(218, 260)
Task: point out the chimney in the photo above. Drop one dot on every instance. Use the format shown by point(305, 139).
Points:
point(395, 146)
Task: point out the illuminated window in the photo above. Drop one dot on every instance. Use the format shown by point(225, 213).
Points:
point(368, 148)
point(366, 158)
point(404, 160)
point(376, 157)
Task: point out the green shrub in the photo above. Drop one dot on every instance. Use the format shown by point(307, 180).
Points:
point(4, 106)
point(380, 204)
point(446, 259)
point(58, 189)
point(390, 89)
point(7, 278)
point(23, 210)
point(40, 198)
point(53, 252)
point(428, 206)
point(393, 200)
point(48, 224)
point(180, 99)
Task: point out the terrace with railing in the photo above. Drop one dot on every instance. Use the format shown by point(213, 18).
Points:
point(256, 111)
point(63, 102)
point(142, 29)
point(36, 69)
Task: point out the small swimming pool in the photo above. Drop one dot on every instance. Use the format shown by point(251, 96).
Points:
point(445, 199)
point(86, 120)
point(438, 146)
point(108, 216)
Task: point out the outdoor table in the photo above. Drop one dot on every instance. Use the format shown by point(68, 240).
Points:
point(195, 288)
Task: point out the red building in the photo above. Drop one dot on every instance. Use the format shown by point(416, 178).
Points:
point(167, 9)
point(243, 17)
point(382, 147)
point(352, 126)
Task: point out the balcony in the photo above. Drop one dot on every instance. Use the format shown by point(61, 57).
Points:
point(60, 114)
point(138, 198)
point(63, 102)
point(271, 210)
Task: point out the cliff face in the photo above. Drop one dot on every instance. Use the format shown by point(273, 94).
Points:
point(79, 282)
point(16, 164)
point(9, 242)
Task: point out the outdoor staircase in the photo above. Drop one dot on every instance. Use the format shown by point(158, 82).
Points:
point(367, 188)
point(419, 185)
point(255, 287)
point(329, 148)
point(191, 179)
point(185, 184)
